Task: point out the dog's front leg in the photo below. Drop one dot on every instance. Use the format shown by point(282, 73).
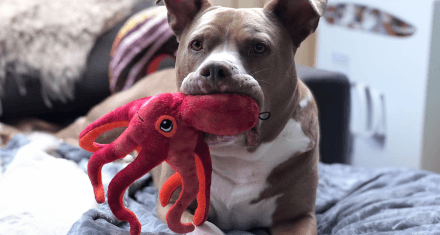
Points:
point(295, 213)
point(305, 225)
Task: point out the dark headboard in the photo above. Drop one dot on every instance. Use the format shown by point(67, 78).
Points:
point(332, 93)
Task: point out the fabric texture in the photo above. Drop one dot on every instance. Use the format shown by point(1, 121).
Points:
point(8, 153)
point(354, 200)
point(50, 40)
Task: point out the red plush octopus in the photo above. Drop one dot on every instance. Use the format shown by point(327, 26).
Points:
point(167, 127)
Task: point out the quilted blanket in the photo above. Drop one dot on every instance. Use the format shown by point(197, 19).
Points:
point(44, 188)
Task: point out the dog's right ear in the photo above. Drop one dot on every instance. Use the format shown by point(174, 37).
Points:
point(300, 17)
point(182, 12)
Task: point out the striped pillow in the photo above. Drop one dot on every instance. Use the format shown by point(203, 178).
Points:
point(143, 45)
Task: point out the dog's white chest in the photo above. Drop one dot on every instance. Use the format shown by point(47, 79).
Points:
point(235, 183)
point(239, 177)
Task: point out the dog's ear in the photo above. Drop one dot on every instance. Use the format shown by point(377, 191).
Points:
point(300, 17)
point(182, 12)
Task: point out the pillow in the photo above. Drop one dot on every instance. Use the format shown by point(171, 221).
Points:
point(144, 45)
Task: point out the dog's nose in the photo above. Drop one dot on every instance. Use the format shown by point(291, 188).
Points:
point(215, 71)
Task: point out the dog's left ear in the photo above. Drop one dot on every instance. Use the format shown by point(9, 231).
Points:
point(182, 12)
point(300, 17)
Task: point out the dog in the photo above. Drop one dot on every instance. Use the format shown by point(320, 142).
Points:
point(267, 176)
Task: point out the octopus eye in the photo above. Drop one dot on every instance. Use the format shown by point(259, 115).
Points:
point(166, 125)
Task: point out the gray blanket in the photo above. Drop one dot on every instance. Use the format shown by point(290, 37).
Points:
point(350, 200)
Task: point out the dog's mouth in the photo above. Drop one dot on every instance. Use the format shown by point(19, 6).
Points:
point(239, 84)
point(248, 138)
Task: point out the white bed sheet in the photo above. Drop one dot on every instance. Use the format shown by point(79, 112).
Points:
point(42, 194)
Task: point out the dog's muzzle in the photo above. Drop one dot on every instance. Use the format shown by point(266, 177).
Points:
point(225, 77)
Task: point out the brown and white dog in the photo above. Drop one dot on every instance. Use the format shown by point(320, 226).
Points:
point(268, 176)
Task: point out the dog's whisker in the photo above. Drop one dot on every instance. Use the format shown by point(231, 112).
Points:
point(252, 69)
point(264, 81)
point(258, 71)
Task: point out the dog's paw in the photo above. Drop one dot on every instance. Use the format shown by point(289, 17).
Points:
point(206, 228)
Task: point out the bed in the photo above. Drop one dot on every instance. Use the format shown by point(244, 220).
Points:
point(44, 188)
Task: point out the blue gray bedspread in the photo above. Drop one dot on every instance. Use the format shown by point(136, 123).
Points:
point(350, 200)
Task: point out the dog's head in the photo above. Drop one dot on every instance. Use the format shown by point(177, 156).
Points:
point(243, 51)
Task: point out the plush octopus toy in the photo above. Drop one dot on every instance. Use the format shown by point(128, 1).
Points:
point(167, 127)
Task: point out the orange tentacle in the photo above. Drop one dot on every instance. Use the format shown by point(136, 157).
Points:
point(119, 117)
point(87, 141)
point(168, 188)
point(199, 215)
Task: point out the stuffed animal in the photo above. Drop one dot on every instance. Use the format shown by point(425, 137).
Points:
point(167, 127)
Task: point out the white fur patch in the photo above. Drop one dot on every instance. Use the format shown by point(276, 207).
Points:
point(229, 56)
point(306, 100)
point(224, 55)
point(203, 89)
point(224, 87)
point(239, 177)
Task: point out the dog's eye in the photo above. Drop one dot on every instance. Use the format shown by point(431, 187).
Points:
point(196, 45)
point(259, 48)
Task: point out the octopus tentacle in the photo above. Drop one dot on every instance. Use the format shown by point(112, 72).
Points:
point(117, 118)
point(168, 188)
point(122, 180)
point(203, 196)
point(87, 140)
point(100, 158)
point(189, 192)
point(204, 172)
